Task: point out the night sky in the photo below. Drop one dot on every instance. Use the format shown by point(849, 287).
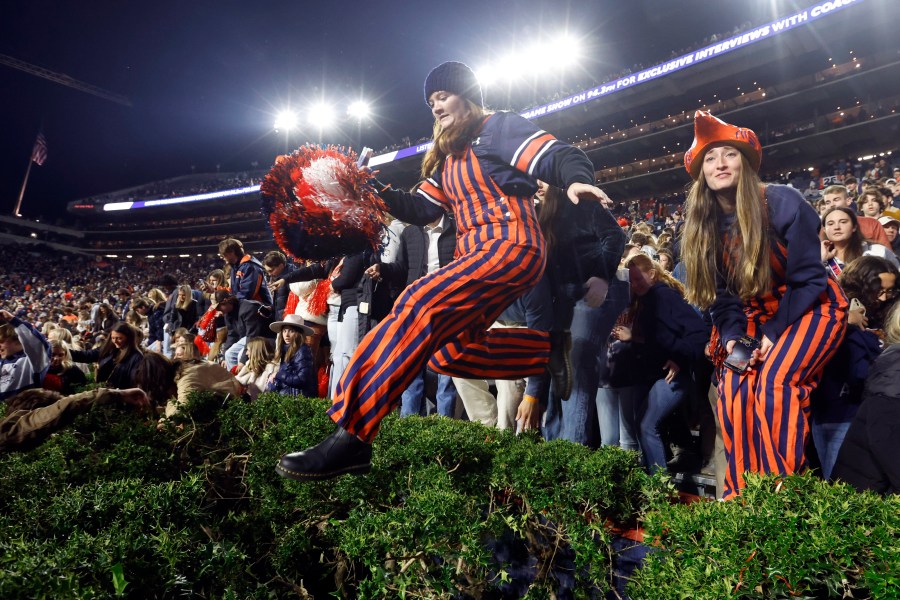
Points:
point(206, 78)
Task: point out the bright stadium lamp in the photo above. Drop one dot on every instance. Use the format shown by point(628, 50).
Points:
point(359, 110)
point(321, 115)
point(286, 120)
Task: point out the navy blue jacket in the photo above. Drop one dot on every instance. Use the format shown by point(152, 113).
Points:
point(297, 377)
point(668, 329)
point(795, 224)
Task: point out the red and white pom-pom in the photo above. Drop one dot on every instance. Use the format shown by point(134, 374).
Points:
point(321, 205)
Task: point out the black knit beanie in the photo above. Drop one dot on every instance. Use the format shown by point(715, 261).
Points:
point(456, 78)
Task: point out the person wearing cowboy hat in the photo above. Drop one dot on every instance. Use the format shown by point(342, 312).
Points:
point(296, 374)
point(751, 255)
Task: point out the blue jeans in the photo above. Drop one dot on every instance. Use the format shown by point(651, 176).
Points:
point(828, 439)
point(617, 415)
point(412, 402)
point(233, 354)
point(573, 419)
point(344, 346)
point(534, 309)
point(660, 402)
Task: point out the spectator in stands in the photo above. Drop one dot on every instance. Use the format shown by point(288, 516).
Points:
point(844, 243)
point(751, 258)
point(276, 267)
point(186, 310)
point(63, 376)
point(168, 283)
point(870, 284)
point(871, 203)
point(123, 302)
point(169, 383)
point(260, 366)
point(155, 320)
point(668, 336)
point(105, 319)
point(244, 319)
point(247, 275)
point(24, 356)
point(117, 359)
point(891, 224)
point(32, 415)
point(584, 247)
point(295, 375)
point(868, 458)
point(838, 196)
point(344, 343)
point(138, 316)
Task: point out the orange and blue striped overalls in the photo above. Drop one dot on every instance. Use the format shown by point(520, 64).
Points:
point(442, 319)
point(764, 412)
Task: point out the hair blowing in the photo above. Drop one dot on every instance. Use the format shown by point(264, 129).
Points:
point(742, 257)
point(453, 140)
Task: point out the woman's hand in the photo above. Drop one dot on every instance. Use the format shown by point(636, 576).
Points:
point(529, 413)
point(274, 285)
point(760, 354)
point(622, 333)
point(576, 191)
point(596, 291)
point(858, 318)
point(673, 370)
point(828, 250)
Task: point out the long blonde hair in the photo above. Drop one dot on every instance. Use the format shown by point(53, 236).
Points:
point(746, 269)
point(260, 352)
point(452, 141)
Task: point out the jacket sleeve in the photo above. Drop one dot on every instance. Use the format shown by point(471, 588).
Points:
point(679, 329)
point(35, 346)
point(601, 257)
point(85, 356)
point(797, 224)
point(727, 312)
point(421, 208)
point(28, 428)
point(307, 273)
point(525, 147)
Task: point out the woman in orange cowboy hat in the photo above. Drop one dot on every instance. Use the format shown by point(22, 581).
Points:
point(751, 252)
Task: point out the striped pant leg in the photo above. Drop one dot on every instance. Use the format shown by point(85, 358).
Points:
point(736, 416)
point(461, 299)
point(791, 372)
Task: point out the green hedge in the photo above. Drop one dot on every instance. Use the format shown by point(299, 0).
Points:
point(796, 537)
point(111, 507)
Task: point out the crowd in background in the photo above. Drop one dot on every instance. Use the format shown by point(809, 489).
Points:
point(246, 325)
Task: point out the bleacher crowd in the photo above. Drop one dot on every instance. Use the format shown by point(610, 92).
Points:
point(237, 324)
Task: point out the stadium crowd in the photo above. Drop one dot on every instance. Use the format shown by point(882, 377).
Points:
point(241, 325)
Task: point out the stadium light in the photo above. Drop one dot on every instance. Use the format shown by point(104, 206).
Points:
point(286, 120)
point(359, 110)
point(321, 115)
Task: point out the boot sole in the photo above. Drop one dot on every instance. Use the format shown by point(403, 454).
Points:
point(298, 476)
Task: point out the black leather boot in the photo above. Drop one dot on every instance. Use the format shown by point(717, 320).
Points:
point(560, 364)
point(338, 454)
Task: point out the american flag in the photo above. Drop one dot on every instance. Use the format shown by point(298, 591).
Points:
point(39, 153)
